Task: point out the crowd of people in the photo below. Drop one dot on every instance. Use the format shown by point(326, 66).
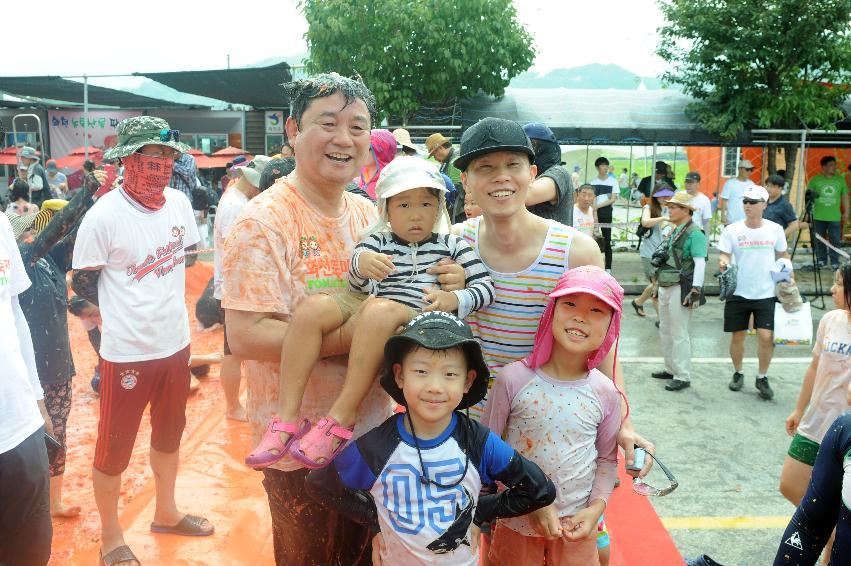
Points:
point(428, 338)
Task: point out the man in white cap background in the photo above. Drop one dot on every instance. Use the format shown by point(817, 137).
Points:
point(36, 177)
point(129, 260)
point(236, 196)
point(756, 244)
point(730, 201)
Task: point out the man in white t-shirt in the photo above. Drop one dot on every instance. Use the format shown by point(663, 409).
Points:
point(730, 201)
point(25, 527)
point(129, 260)
point(756, 244)
point(607, 190)
point(247, 187)
point(700, 202)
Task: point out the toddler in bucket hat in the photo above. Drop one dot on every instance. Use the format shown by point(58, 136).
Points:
point(393, 265)
point(558, 410)
point(439, 457)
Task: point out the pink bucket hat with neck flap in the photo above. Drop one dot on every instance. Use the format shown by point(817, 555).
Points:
point(590, 280)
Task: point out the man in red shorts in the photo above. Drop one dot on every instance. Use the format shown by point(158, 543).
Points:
point(129, 260)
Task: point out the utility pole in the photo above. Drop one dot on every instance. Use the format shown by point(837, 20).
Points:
point(228, 60)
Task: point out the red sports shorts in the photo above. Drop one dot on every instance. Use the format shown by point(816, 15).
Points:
point(126, 388)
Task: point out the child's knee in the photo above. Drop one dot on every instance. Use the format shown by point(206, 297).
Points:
point(384, 312)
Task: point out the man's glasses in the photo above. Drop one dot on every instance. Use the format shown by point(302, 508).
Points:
point(169, 135)
point(647, 490)
point(750, 201)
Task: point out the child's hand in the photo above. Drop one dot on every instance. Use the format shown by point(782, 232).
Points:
point(545, 522)
point(377, 547)
point(793, 420)
point(450, 274)
point(441, 301)
point(582, 525)
point(375, 266)
point(848, 394)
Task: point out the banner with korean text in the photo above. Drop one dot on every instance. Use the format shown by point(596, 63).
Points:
point(66, 127)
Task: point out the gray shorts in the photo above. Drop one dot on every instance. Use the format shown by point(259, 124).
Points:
point(649, 270)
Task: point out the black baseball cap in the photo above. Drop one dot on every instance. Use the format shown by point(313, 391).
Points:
point(490, 135)
point(693, 176)
point(437, 331)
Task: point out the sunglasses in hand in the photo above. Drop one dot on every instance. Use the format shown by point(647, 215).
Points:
point(642, 488)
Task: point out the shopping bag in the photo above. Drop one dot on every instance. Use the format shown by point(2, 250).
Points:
point(793, 328)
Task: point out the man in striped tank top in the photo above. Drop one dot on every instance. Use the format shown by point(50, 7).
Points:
point(525, 254)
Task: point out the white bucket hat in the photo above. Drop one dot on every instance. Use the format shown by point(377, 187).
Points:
point(404, 174)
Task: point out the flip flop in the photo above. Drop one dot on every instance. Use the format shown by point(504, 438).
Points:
point(639, 309)
point(118, 554)
point(188, 526)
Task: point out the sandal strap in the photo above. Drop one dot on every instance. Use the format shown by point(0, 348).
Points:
point(330, 426)
point(290, 427)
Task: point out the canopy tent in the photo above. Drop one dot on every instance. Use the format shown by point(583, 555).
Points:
point(259, 87)
point(610, 117)
point(77, 156)
point(221, 158)
point(59, 89)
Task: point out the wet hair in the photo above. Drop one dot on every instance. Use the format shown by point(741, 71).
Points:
point(77, 304)
point(827, 159)
point(274, 170)
point(431, 190)
point(845, 272)
point(20, 190)
point(304, 91)
point(584, 186)
point(600, 161)
point(776, 180)
point(89, 165)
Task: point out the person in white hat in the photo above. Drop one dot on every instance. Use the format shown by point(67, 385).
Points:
point(756, 244)
point(730, 201)
point(390, 264)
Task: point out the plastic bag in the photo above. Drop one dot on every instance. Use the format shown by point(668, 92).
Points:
point(793, 328)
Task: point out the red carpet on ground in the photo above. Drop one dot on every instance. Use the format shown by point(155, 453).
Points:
point(214, 482)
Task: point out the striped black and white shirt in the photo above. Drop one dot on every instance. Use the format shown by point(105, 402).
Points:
point(409, 283)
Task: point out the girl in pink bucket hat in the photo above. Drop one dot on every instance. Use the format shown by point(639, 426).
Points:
point(557, 409)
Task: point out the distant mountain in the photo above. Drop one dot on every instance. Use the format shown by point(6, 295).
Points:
point(593, 76)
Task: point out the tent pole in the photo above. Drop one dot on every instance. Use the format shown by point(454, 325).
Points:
point(86, 116)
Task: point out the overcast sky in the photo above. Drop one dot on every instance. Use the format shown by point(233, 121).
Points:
point(157, 35)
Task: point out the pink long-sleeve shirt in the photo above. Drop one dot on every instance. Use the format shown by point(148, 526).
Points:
point(568, 428)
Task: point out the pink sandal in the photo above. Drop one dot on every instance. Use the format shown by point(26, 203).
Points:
point(271, 449)
point(315, 449)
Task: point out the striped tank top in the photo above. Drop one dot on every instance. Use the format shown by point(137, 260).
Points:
point(506, 328)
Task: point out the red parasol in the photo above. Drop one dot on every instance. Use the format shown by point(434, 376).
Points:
point(9, 156)
point(220, 158)
point(75, 159)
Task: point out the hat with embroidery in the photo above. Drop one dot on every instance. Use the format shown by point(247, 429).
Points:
point(437, 331)
point(591, 280)
point(138, 131)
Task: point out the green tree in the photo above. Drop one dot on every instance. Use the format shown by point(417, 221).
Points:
point(759, 63)
point(411, 52)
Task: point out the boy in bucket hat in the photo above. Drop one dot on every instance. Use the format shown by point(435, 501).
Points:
point(557, 409)
point(129, 260)
point(435, 369)
point(390, 263)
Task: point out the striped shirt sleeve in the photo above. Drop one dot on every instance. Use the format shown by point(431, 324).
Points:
point(479, 291)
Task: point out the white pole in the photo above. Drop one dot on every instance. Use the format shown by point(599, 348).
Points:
point(86, 115)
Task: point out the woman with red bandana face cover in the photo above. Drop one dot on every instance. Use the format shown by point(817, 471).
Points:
point(145, 178)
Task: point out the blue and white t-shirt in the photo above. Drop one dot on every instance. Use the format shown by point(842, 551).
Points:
point(419, 520)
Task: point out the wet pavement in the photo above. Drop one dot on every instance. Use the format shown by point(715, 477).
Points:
point(726, 448)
